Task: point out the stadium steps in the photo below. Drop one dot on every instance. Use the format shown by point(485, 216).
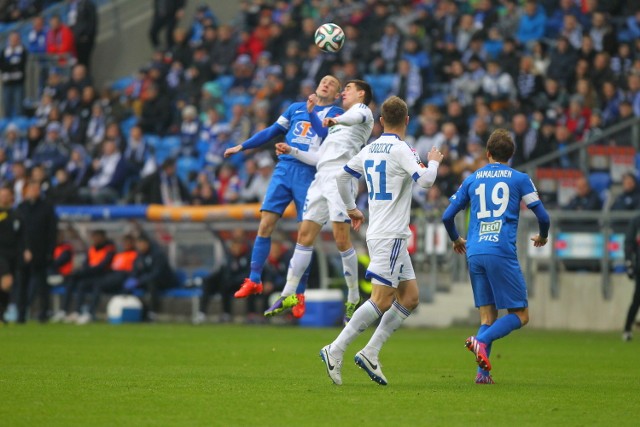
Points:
point(447, 309)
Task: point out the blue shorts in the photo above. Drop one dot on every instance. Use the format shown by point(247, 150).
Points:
point(289, 182)
point(497, 281)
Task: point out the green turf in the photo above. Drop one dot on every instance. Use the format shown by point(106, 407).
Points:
point(156, 375)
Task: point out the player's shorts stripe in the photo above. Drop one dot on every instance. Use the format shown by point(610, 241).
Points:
point(352, 172)
point(394, 254)
point(530, 198)
point(401, 309)
point(371, 275)
point(415, 176)
point(303, 248)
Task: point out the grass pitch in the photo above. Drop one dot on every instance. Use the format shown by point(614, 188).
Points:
point(156, 375)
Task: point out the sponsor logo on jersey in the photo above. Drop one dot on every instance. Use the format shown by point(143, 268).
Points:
point(493, 227)
point(304, 129)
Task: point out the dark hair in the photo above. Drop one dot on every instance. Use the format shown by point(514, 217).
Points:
point(99, 232)
point(366, 87)
point(394, 111)
point(501, 145)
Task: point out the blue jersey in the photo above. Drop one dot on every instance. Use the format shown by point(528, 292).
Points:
point(299, 132)
point(494, 193)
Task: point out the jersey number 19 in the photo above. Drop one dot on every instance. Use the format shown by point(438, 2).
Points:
point(499, 197)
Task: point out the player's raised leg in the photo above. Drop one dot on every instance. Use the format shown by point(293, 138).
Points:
point(253, 284)
point(342, 236)
point(297, 266)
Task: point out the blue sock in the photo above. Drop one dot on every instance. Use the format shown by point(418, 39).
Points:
point(501, 328)
point(259, 255)
point(302, 286)
point(481, 329)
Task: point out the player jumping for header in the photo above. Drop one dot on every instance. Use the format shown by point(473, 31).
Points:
point(390, 165)
point(347, 135)
point(291, 177)
point(495, 192)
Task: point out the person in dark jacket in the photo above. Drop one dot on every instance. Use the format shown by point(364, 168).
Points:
point(39, 224)
point(163, 187)
point(166, 14)
point(151, 272)
point(13, 60)
point(97, 264)
point(629, 200)
point(156, 112)
point(632, 264)
point(10, 241)
point(586, 199)
point(83, 20)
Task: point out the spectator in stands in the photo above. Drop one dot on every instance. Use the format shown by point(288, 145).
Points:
point(204, 194)
point(255, 187)
point(137, 151)
point(572, 31)
point(528, 84)
point(96, 128)
point(166, 14)
point(407, 83)
point(112, 281)
point(19, 174)
point(633, 25)
point(629, 200)
point(13, 61)
point(602, 33)
point(586, 199)
point(156, 112)
point(524, 138)
point(60, 40)
point(576, 117)
point(509, 18)
point(610, 103)
point(163, 187)
point(552, 100)
point(52, 153)
point(97, 264)
point(37, 37)
point(532, 23)
point(562, 62)
point(223, 52)
point(18, 10)
point(64, 191)
point(15, 146)
point(83, 20)
point(40, 227)
point(152, 273)
point(5, 168)
point(108, 174)
point(497, 87)
point(601, 71)
point(189, 131)
point(227, 184)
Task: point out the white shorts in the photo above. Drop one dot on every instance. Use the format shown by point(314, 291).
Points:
point(323, 201)
point(390, 262)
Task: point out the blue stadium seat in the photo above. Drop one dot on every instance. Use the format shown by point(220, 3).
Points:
point(381, 85)
point(127, 124)
point(171, 143)
point(122, 83)
point(152, 140)
point(186, 165)
point(600, 182)
point(224, 82)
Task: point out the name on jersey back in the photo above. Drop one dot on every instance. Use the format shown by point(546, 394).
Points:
point(503, 173)
point(380, 148)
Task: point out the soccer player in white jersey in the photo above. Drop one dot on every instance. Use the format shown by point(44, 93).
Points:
point(348, 133)
point(390, 165)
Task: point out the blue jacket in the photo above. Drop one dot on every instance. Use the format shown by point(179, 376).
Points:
point(531, 27)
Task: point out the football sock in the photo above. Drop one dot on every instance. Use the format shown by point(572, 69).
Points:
point(364, 316)
point(350, 269)
point(391, 320)
point(299, 263)
point(501, 328)
point(259, 255)
point(481, 329)
point(302, 286)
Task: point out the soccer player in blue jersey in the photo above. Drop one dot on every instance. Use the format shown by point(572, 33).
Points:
point(291, 177)
point(495, 193)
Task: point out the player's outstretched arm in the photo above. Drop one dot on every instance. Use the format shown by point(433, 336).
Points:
point(355, 115)
point(344, 179)
point(543, 223)
point(309, 157)
point(316, 123)
point(260, 138)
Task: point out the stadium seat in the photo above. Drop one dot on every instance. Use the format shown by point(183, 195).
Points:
point(224, 82)
point(127, 124)
point(122, 83)
point(152, 140)
point(600, 182)
point(171, 143)
point(186, 165)
point(381, 85)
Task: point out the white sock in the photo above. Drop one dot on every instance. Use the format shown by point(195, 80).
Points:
point(391, 321)
point(365, 315)
point(299, 262)
point(350, 269)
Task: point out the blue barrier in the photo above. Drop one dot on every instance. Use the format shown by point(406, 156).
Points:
point(89, 213)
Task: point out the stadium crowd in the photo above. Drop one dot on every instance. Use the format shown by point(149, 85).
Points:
point(553, 71)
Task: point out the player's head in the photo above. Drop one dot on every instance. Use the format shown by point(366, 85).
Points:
point(500, 146)
point(328, 89)
point(356, 91)
point(395, 113)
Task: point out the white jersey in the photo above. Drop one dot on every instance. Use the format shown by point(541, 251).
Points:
point(345, 139)
point(389, 165)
